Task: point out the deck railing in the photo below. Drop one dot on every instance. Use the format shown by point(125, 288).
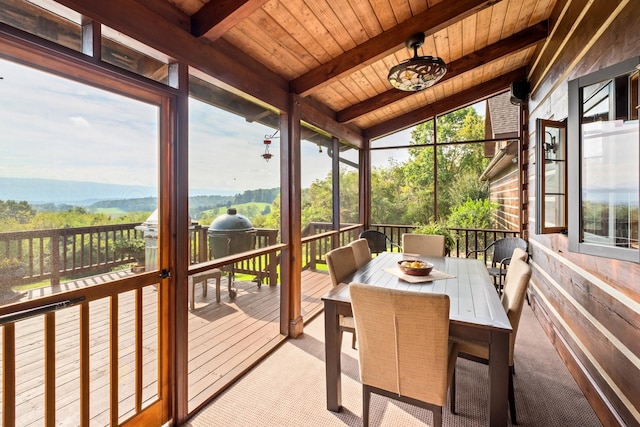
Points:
point(51, 254)
point(56, 253)
point(318, 239)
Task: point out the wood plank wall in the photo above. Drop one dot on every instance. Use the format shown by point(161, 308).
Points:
point(504, 192)
point(589, 306)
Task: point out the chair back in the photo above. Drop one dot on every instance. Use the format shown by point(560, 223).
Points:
point(503, 249)
point(361, 251)
point(517, 254)
point(515, 289)
point(341, 263)
point(403, 341)
point(377, 240)
point(521, 254)
point(423, 244)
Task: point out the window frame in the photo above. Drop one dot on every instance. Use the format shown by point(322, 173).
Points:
point(541, 192)
point(574, 163)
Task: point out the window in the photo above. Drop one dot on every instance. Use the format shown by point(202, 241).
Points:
point(604, 143)
point(551, 177)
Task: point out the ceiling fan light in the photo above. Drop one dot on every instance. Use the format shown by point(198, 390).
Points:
point(419, 72)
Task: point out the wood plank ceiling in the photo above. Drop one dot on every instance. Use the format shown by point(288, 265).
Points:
point(336, 54)
point(339, 52)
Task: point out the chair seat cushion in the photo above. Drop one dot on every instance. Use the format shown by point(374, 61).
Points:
point(473, 348)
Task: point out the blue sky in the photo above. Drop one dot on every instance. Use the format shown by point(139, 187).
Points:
point(54, 128)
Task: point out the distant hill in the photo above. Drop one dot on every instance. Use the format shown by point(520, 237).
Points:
point(57, 195)
point(38, 191)
point(43, 191)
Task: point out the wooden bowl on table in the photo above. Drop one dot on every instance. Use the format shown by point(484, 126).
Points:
point(415, 267)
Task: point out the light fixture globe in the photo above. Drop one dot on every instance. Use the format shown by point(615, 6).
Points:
point(419, 72)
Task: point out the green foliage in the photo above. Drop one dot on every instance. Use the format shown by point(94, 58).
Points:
point(349, 191)
point(7, 263)
point(439, 228)
point(18, 212)
point(467, 186)
point(403, 193)
point(473, 214)
point(132, 247)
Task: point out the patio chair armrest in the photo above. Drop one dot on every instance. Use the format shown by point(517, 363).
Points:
point(504, 263)
point(475, 252)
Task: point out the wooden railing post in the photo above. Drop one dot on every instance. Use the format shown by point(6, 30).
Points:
point(312, 249)
point(272, 259)
point(55, 257)
point(203, 253)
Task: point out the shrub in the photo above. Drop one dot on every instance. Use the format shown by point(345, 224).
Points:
point(473, 214)
point(133, 248)
point(436, 227)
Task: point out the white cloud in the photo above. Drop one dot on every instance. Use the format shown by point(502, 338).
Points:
point(80, 122)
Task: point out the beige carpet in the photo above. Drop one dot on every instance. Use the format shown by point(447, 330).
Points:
point(288, 389)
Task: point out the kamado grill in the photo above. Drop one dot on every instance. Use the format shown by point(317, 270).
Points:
point(230, 234)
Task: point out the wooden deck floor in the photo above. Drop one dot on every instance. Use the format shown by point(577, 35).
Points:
point(225, 340)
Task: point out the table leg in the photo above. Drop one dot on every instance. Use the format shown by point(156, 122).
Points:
point(332, 356)
point(498, 378)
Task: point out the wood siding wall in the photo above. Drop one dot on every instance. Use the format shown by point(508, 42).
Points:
point(589, 306)
point(504, 192)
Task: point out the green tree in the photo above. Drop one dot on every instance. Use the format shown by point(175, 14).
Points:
point(349, 195)
point(15, 212)
point(456, 163)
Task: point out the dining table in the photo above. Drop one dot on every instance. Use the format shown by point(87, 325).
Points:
point(475, 313)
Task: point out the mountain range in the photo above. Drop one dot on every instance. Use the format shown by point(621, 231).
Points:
point(43, 191)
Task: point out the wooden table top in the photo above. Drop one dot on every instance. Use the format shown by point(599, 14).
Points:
point(472, 294)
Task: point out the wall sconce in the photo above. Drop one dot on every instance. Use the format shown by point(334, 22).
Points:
point(550, 147)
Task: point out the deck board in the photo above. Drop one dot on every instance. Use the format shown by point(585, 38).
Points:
point(225, 340)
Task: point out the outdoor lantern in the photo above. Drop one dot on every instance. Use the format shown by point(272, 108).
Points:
point(419, 72)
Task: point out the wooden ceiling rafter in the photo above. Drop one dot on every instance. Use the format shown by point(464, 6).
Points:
point(217, 17)
point(162, 34)
point(517, 42)
point(430, 21)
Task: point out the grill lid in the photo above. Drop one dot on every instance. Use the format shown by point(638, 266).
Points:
point(231, 221)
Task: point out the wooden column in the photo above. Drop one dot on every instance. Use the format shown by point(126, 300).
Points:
point(335, 184)
point(364, 184)
point(291, 222)
point(175, 289)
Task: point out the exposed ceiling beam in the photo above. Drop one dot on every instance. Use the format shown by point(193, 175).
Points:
point(316, 117)
point(430, 21)
point(217, 17)
point(257, 81)
point(466, 97)
point(517, 42)
point(168, 11)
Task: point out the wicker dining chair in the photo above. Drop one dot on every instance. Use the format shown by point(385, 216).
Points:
point(423, 244)
point(361, 251)
point(512, 299)
point(500, 252)
point(378, 241)
point(403, 347)
point(341, 263)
